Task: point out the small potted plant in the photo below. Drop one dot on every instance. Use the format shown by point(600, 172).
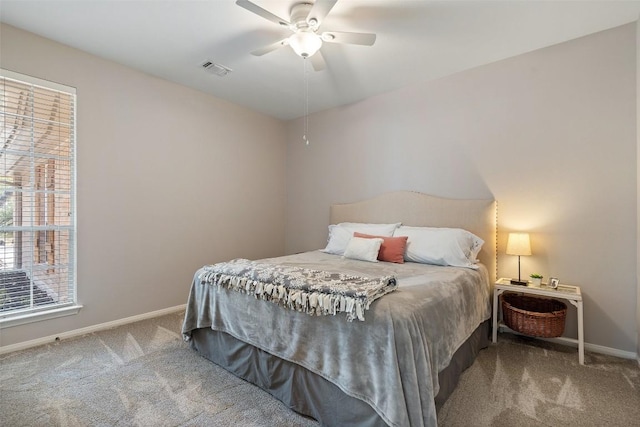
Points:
point(536, 279)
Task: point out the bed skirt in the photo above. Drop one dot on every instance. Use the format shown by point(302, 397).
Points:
point(310, 394)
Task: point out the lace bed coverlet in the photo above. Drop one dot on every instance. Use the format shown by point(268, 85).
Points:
point(390, 360)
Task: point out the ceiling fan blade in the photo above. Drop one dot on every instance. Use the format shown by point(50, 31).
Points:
point(252, 7)
point(321, 9)
point(270, 48)
point(363, 39)
point(317, 61)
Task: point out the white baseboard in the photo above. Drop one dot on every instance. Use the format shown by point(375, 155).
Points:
point(596, 348)
point(115, 323)
point(572, 342)
point(89, 329)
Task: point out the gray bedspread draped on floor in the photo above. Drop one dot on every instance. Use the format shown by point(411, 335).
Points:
point(391, 360)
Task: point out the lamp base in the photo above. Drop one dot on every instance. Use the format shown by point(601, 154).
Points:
point(518, 282)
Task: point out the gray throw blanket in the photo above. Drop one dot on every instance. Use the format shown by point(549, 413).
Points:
point(301, 289)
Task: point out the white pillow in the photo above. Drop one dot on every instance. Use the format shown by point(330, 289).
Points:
point(363, 249)
point(441, 246)
point(341, 234)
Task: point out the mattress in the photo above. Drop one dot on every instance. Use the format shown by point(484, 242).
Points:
point(391, 361)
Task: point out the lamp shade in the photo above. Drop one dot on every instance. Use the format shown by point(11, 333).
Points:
point(518, 244)
point(305, 43)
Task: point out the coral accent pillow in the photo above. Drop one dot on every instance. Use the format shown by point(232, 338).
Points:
point(392, 248)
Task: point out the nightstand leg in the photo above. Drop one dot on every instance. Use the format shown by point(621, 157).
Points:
point(494, 332)
point(580, 334)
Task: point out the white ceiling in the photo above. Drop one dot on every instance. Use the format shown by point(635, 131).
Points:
point(417, 40)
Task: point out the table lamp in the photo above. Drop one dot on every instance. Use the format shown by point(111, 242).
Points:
point(518, 244)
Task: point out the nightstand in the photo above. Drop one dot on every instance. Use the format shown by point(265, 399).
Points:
point(567, 292)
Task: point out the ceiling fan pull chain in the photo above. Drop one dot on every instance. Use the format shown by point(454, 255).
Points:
point(306, 103)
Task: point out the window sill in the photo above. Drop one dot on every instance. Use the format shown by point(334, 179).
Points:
point(39, 316)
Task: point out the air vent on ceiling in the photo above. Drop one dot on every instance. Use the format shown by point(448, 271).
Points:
point(217, 69)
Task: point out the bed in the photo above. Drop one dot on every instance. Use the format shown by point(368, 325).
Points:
point(399, 364)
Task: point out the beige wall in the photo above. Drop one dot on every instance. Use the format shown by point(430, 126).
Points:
point(169, 179)
point(549, 134)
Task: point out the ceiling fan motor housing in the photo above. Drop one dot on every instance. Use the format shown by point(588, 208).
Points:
point(299, 15)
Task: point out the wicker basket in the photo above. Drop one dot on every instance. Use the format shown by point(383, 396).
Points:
point(538, 317)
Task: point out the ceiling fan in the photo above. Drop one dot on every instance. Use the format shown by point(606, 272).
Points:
point(304, 22)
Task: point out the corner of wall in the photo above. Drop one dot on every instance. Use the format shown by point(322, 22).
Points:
point(638, 190)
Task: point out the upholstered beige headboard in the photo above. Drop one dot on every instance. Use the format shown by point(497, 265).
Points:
point(422, 210)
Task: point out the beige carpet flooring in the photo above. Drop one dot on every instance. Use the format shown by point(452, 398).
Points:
point(523, 381)
point(143, 374)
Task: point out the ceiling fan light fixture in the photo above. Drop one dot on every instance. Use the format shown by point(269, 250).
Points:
point(305, 43)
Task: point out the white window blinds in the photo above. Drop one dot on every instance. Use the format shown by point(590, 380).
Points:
point(37, 195)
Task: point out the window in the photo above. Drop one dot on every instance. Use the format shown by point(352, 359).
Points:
point(37, 196)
